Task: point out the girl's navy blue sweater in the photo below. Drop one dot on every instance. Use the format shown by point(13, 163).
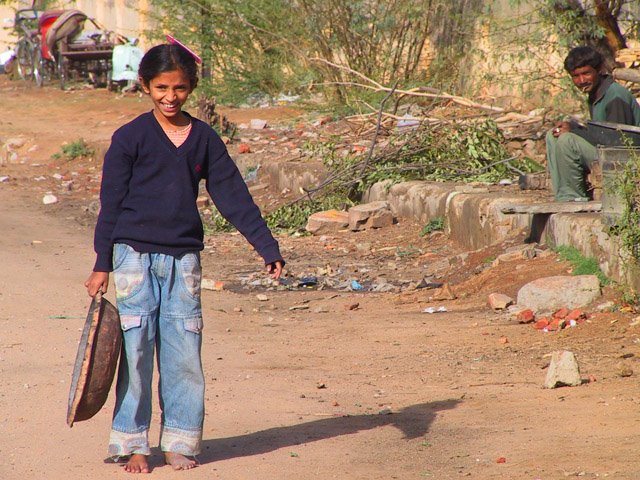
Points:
point(149, 191)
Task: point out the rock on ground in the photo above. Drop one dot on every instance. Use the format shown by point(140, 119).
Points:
point(563, 370)
point(370, 215)
point(329, 221)
point(553, 293)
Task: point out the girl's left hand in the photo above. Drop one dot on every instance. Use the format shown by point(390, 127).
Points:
point(275, 269)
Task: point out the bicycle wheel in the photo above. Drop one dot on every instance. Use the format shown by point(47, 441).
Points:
point(62, 66)
point(39, 69)
point(24, 60)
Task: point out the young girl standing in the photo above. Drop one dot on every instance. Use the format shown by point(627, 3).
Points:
point(149, 233)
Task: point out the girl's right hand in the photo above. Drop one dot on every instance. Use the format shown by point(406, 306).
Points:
point(97, 281)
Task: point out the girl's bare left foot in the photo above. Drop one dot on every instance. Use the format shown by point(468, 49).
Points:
point(179, 462)
point(137, 464)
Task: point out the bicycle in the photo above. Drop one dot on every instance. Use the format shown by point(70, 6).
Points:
point(26, 26)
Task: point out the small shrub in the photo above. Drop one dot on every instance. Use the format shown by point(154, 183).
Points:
point(73, 150)
point(581, 265)
point(434, 225)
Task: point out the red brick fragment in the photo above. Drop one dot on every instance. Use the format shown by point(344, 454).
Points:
point(526, 316)
point(541, 324)
point(562, 313)
point(554, 324)
point(244, 148)
point(501, 460)
point(575, 314)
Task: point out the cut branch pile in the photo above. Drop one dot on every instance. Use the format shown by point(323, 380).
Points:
point(444, 138)
point(429, 101)
point(629, 58)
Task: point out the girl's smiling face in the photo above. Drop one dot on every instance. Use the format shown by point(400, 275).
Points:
point(169, 92)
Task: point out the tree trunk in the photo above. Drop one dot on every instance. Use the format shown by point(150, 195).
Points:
point(607, 12)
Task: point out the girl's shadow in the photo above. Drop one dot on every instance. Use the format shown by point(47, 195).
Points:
point(414, 421)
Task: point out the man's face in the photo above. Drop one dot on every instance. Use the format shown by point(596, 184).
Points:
point(586, 78)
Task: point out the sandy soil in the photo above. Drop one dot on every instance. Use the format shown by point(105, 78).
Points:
point(305, 384)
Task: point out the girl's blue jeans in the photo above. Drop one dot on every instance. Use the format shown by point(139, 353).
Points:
point(158, 297)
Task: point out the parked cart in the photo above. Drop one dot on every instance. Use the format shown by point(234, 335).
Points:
point(80, 53)
point(63, 44)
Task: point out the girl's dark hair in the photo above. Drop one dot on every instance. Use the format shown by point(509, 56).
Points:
point(581, 57)
point(167, 58)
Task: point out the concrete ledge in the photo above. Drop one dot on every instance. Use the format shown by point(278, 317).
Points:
point(475, 219)
point(422, 201)
point(294, 175)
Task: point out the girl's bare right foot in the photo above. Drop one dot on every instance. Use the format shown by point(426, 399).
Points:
point(137, 464)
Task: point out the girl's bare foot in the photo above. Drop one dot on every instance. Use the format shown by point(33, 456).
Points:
point(179, 462)
point(137, 464)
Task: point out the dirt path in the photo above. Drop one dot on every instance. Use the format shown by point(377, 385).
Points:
point(301, 386)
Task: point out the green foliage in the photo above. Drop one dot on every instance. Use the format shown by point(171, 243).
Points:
point(246, 46)
point(434, 225)
point(489, 260)
point(468, 152)
point(274, 46)
point(216, 223)
point(293, 218)
point(580, 264)
point(626, 188)
point(73, 150)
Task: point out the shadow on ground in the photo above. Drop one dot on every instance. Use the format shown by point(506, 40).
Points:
point(414, 421)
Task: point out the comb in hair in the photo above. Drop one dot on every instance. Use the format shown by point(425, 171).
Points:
point(171, 39)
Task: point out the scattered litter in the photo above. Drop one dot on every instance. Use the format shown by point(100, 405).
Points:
point(208, 284)
point(428, 283)
point(252, 174)
point(355, 285)
point(299, 307)
point(4, 178)
point(257, 124)
point(385, 411)
point(308, 282)
point(244, 148)
point(282, 98)
point(262, 297)
point(434, 310)
point(408, 121)
point(49, 199)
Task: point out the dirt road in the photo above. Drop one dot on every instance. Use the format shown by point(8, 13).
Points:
point(305, 384)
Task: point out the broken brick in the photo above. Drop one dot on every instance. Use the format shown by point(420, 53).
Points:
point(244, 148)
point(526, 316)
point(575, 314)
point(561, 313)
point(541, 324)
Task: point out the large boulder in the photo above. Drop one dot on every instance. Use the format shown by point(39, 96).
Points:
point(552, 293)
point(329, 221)
point(370, 215)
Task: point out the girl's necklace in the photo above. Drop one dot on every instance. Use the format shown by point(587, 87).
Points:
point(178, 130)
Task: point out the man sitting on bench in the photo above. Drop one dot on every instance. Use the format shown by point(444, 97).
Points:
point(569, 156)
